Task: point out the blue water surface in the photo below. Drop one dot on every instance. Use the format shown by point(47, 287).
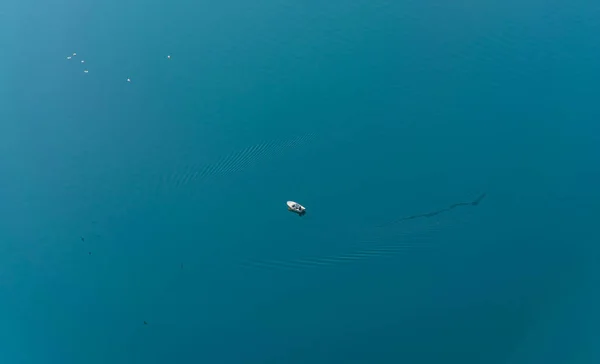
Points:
point(162, 200)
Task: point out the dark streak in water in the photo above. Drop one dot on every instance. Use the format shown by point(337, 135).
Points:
point(437, 212)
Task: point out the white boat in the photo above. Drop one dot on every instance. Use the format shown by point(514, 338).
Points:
point(296, 207)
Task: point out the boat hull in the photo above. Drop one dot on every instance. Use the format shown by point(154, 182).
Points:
point(291, 204)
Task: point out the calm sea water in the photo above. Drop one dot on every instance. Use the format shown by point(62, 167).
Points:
point(162, 200)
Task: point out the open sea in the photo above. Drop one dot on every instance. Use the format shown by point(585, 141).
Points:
point(447, 154)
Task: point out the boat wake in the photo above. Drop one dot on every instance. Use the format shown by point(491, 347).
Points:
point(237, 161)
point(381, 241)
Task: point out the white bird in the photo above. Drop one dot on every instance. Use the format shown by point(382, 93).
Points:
point(68, 57)
point(169, 57)
point(74, 54)
point(85, 71)
point(129, 80)
point(82, 61)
